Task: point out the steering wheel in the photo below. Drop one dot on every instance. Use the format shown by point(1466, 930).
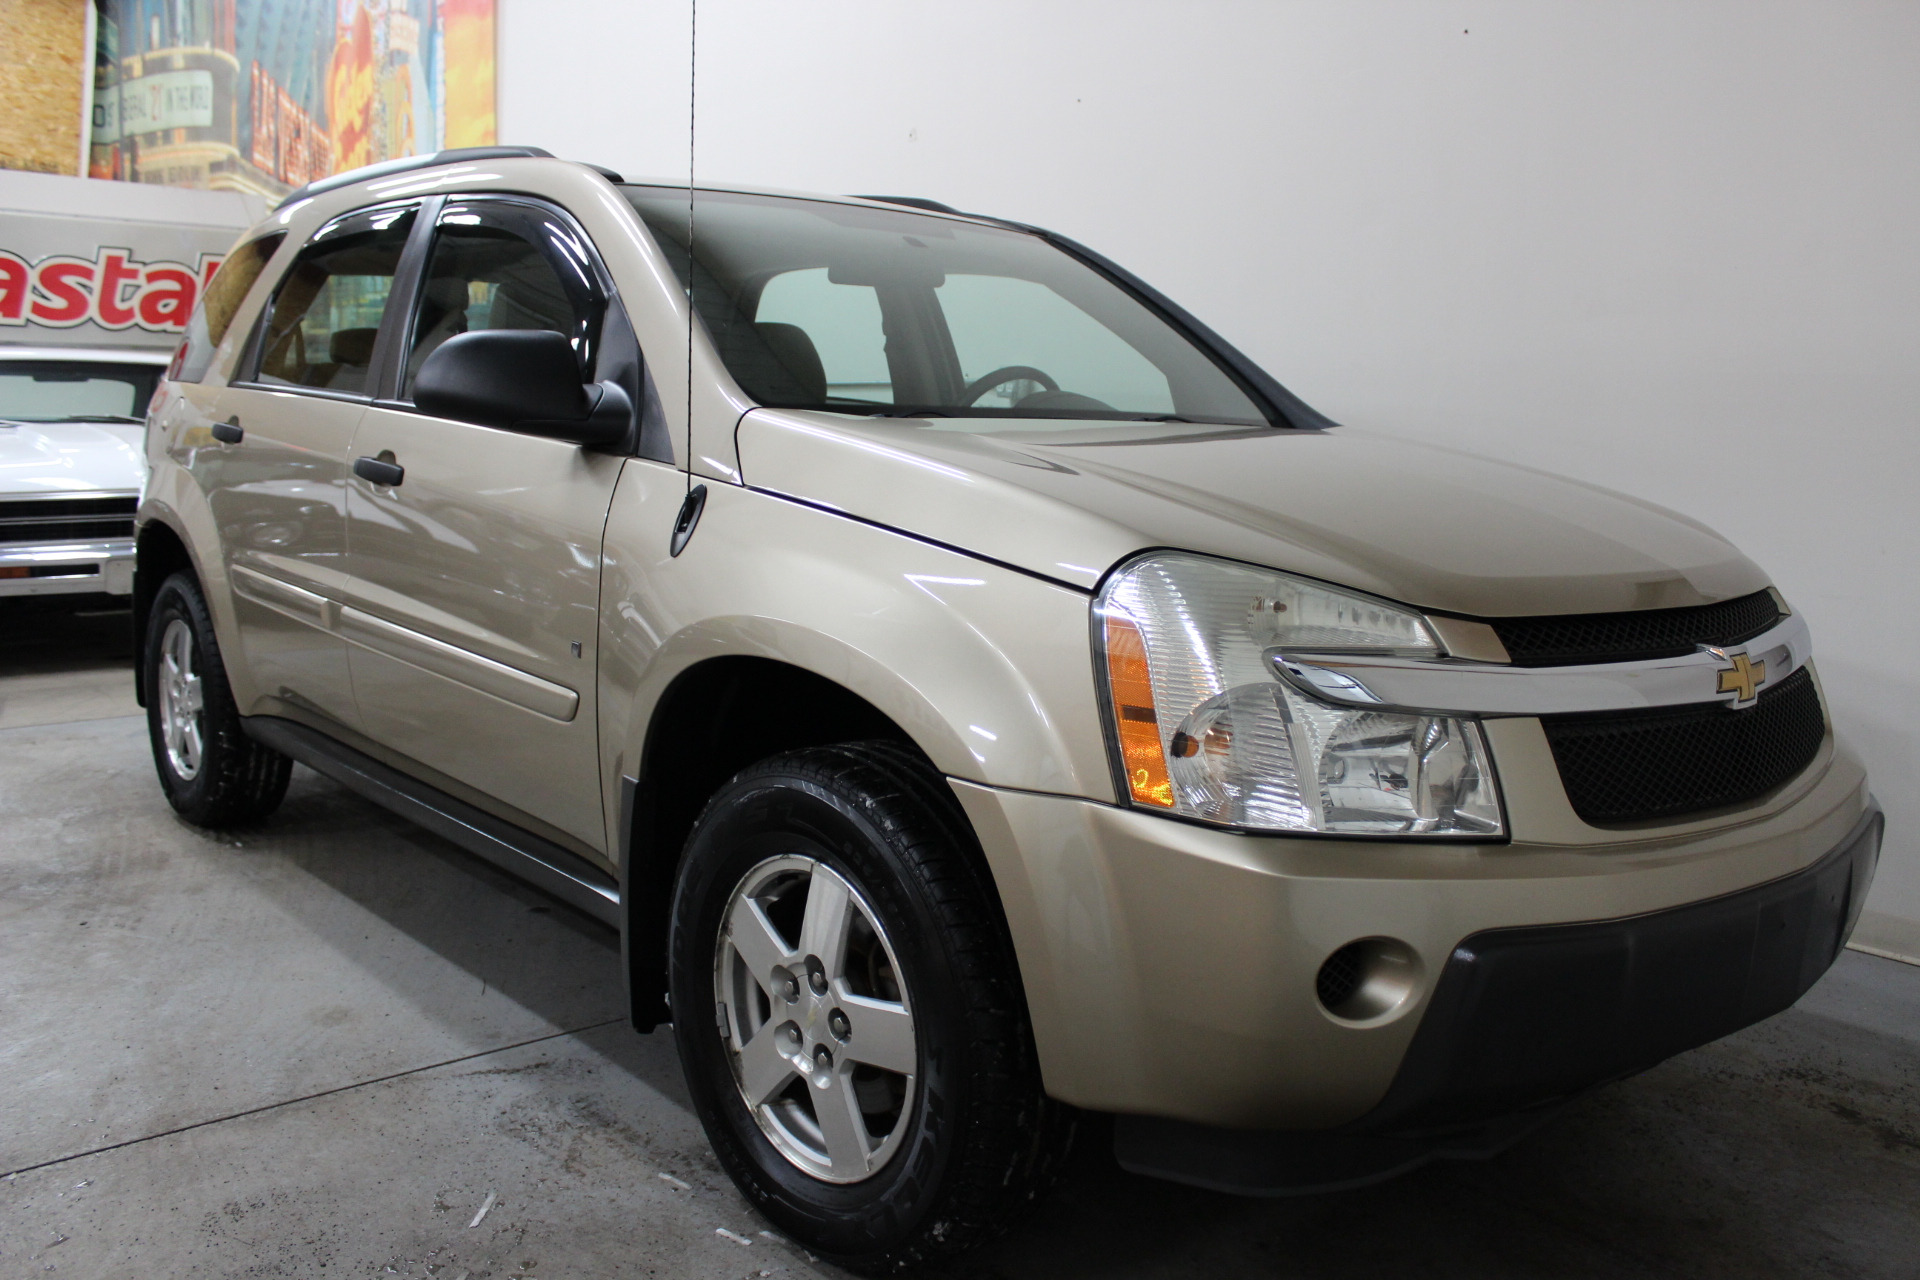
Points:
point(980, 386)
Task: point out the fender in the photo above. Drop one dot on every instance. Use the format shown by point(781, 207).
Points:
point(155, 513)
point(986, 670)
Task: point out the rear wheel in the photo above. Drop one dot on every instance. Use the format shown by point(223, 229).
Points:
point(211, 772)
point(848, 1011)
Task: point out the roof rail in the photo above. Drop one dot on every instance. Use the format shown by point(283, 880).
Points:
point(913, 202)
point(405, 163)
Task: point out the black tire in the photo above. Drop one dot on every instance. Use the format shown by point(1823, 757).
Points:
point(979, 1141)
point(237, 781)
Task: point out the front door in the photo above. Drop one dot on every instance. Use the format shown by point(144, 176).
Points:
point(279, 493)
point(476, 579)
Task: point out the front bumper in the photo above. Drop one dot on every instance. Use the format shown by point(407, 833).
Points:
point(66, 568)
point(1523, 1019)
point(1170, 968)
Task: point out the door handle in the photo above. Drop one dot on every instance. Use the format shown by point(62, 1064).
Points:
point(376, 471)
point(228, 432)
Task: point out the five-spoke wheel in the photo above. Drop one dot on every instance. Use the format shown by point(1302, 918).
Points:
point(182, 703)
point(212, 772)
point(847, 1007)
point(817, 1026)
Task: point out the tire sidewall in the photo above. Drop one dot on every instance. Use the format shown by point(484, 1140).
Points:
point(766, 816)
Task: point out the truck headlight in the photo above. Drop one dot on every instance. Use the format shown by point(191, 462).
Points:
point(1206, 729)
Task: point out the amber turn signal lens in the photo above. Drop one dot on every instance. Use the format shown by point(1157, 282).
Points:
point(1134, 715)
point(16, 571)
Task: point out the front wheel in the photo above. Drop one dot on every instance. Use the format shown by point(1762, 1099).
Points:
point(211, 771)
point(849, 1014)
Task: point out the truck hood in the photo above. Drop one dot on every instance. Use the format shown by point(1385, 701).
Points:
point(69, 457)
point(1430, 526)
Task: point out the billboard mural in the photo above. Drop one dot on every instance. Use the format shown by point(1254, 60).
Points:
point(265, 95)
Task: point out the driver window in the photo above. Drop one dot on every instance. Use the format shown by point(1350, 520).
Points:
point(326, 313)
point(827, 337)
point(1000, 322)
point(489, 270)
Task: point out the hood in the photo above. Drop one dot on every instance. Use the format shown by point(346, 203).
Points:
point(70, 457)
point(1429, 526)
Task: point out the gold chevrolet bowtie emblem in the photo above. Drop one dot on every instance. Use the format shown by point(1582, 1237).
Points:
point(1743, 679)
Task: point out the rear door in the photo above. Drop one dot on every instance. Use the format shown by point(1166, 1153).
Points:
point(476, 579)
point(278, 493)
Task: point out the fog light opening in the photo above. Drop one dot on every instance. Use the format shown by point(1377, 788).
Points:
point(1368, 979)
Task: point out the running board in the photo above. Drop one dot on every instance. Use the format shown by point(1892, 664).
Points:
point(545, 865)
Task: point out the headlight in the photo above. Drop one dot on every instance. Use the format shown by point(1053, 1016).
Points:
point(1206, 729)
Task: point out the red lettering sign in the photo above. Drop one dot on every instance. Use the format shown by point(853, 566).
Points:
point(63, 292)
point(110, 290)
point(115, 276)
point(16, 281)
point(167, 300)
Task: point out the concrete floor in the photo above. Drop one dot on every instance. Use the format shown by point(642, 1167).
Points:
point(324, 1048)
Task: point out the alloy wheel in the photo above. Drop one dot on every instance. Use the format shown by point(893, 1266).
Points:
point(182, 705)
point(815, 1019)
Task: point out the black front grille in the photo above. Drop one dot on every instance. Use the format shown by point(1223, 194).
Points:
point(1661, 764)
point(66, 519)
point(1631, 637)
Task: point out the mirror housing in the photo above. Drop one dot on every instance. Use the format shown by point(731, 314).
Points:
point(525, 380)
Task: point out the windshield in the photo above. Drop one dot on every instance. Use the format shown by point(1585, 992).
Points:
point(73, 391)
point(819, 305)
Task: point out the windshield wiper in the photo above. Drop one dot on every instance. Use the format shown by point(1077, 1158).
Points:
point(87, 417)
point(898, 412)
point(1158, 417)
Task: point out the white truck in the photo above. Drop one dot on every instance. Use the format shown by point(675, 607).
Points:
point(97, 283)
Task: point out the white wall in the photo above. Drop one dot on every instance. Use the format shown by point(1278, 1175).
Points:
point(1670, 248)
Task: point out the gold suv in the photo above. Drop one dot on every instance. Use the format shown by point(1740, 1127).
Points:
point(978, 694)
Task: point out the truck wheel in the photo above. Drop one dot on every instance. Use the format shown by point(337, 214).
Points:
point(849, 1013)
point(212, 772)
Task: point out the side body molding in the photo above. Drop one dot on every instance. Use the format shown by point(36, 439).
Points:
point(510, 684)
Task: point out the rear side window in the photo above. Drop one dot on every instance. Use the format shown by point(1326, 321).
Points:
point(325, 315)
point(222, 300)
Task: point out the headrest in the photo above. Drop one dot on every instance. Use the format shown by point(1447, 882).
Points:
point(798, 359)
point(449, 293)
point(352, 346)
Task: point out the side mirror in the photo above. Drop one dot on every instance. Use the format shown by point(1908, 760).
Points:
point(523, 380)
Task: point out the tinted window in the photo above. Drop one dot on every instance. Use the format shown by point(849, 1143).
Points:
point(225, 292)
point(502, 265)
point(816, 304)
point(326, 313)
point(843, 323)
point(1001, 322)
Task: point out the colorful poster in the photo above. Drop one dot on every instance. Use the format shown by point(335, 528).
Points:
point(265, 95)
